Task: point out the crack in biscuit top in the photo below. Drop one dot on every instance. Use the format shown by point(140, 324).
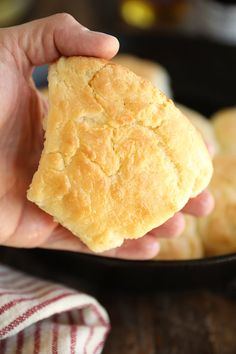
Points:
point(130, 105)
point(119, 158)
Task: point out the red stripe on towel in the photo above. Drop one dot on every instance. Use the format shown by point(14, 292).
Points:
point(3, 346)
point(20, 342)
point(37, 338)
point(55, 335)
point(12, 303)
point(29, 289)
point(31, 312)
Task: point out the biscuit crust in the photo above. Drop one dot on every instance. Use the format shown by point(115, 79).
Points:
point(119, 158)
point(202, 124)
point(147, 69)
point(218, 230)
point(224, 123)
point(186, 246)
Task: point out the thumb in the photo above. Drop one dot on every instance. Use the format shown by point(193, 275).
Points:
point(45, 40)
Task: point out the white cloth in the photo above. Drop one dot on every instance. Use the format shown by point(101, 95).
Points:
point(40, 317)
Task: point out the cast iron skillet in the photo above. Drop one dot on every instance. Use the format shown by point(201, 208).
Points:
point(203, 77)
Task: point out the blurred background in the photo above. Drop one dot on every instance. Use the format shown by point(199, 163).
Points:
point(195, 40)
point(206, 17)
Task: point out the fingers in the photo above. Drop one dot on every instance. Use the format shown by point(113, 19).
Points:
point(141, 249)
point(201, 205)
point(45, 40)
point(173, 227)
point(33, 228)
point(62, 239)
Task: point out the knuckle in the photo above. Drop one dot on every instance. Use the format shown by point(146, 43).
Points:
point(64, 17)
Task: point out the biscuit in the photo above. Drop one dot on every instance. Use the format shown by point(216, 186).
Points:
point(119, 158)
point(224, 123)
point(218, 230)
point(147, 69)
point(203, 125)
point(186, 246)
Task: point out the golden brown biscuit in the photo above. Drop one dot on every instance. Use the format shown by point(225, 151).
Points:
point(119, 158)
point(147, 69)
point(224, 123)
point(218, 230)
point(203, 125)
point(187, 246)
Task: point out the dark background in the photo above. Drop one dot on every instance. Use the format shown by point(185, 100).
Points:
point(202, 69)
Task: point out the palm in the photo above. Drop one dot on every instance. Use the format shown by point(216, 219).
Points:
point(21, 139)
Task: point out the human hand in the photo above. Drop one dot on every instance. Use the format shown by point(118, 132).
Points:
point(23, 224)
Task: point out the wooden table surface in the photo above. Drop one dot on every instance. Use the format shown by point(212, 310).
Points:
point(153, 322)
point(198, 322)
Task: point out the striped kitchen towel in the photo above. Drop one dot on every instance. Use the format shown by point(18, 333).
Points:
point(41, 317)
